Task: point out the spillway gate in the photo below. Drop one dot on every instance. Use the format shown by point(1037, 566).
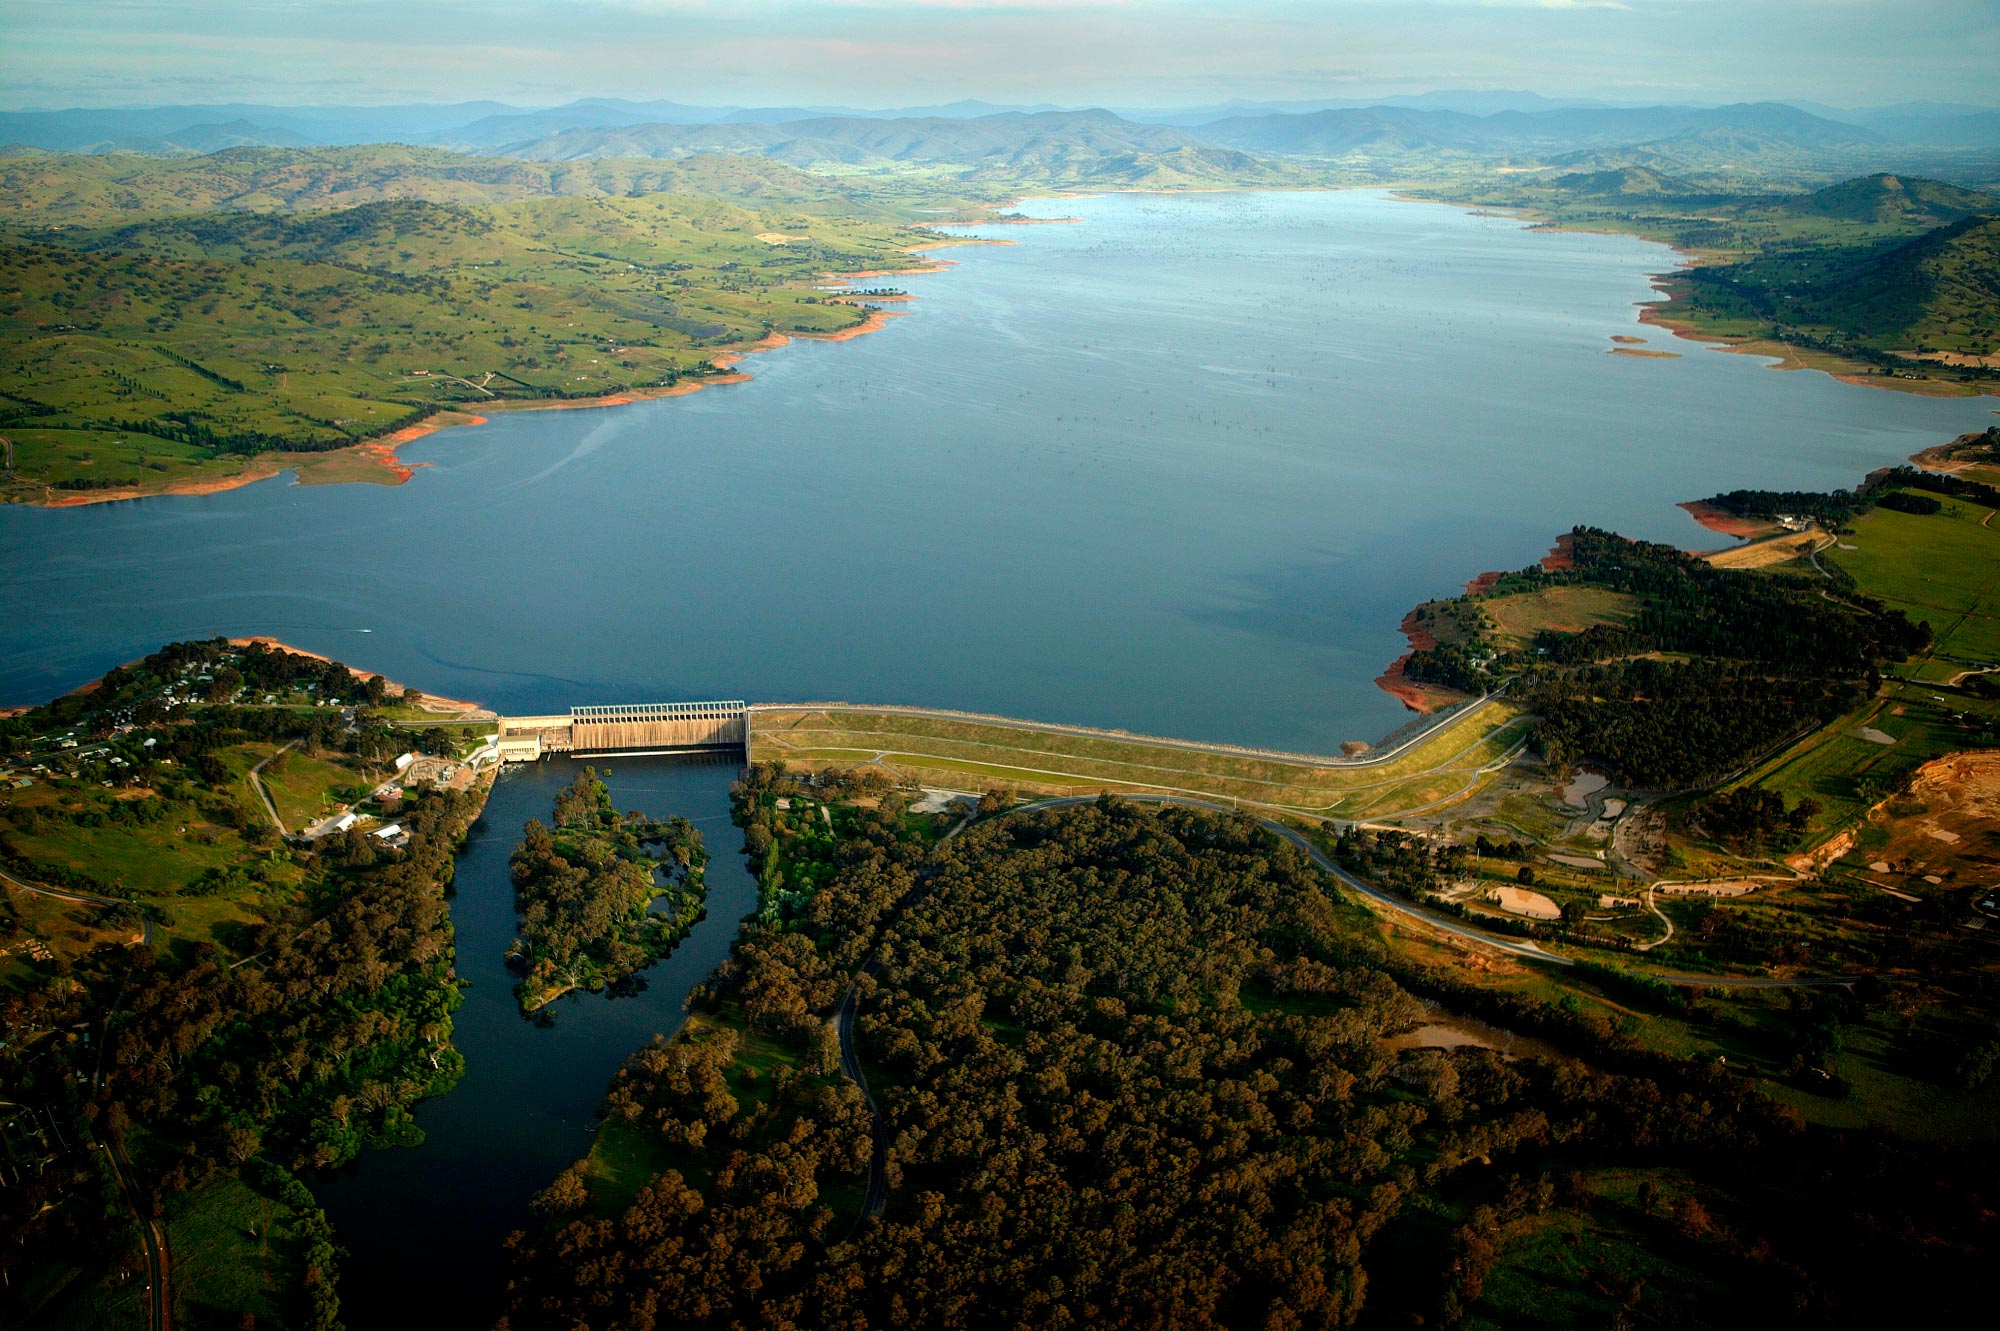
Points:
point(631, 729)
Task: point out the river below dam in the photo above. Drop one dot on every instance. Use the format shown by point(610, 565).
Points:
point(424, 1226)
point(1180, 468)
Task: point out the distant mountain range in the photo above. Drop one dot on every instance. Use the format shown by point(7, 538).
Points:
point(38, 188)
point(1717, 148)
point(1053, 146)
point(1340, 132)
point(1470, 121)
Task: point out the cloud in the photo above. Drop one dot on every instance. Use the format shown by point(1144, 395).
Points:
point(1076, 52)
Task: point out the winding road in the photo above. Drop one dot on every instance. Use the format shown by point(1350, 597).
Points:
point(850, 1067)
point(159, 1298)
point(257, 784)
point(82, 898)
point(1512, 946)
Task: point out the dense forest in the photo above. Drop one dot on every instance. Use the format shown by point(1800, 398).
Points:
point(601, 896)
point(1716, 666)
point(1129, 1068)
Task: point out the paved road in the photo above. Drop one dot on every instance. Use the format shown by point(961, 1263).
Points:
point(159, 1298)
point(257, 784)
point(84, 898)
point(1654, 907)
point(1512, 946)
point(850, 1067)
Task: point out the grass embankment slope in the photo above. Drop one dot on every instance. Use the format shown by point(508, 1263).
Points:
point(146, 346)
point(1447, 763)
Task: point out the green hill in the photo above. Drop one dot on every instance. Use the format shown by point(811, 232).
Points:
point(1939, 292)
point(171, 348)
point(48, 189)
point(1887, 199)
point(1628, 180)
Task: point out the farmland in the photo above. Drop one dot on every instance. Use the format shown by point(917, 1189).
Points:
point(1941, 568)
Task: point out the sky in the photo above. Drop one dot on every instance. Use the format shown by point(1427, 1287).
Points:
point(887, 53)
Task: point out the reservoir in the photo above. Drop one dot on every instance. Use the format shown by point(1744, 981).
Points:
point(1180, 468)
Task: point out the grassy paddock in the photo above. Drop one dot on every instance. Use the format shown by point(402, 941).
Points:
point(1943, 568)
point(236, 1254)
point(1561, 609)
point(1446, 765)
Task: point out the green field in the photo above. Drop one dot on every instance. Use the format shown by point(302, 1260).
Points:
point(305, 786)
point(236, 1254)
point(1447, 765)
point(1519, 617)
point(1847, 773)
point(1943, 568)
point(1605, 1258)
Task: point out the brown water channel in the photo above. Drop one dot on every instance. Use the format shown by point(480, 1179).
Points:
point(1448, 1030)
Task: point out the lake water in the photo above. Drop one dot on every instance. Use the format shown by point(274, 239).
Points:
point(1180, 468)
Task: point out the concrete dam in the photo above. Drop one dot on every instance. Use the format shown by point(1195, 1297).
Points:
point(631, 729)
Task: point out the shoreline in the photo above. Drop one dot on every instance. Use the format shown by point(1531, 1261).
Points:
point(1656, 313)
point(1723, 522)
point(471, 712)
point(448, 707)
point(380, 455)
point(1425, 698)
point(1786, 356)
point(1938, 457)
point(1419, 697)
point(369, 453)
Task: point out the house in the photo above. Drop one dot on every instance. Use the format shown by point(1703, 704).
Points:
point(405, 760)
